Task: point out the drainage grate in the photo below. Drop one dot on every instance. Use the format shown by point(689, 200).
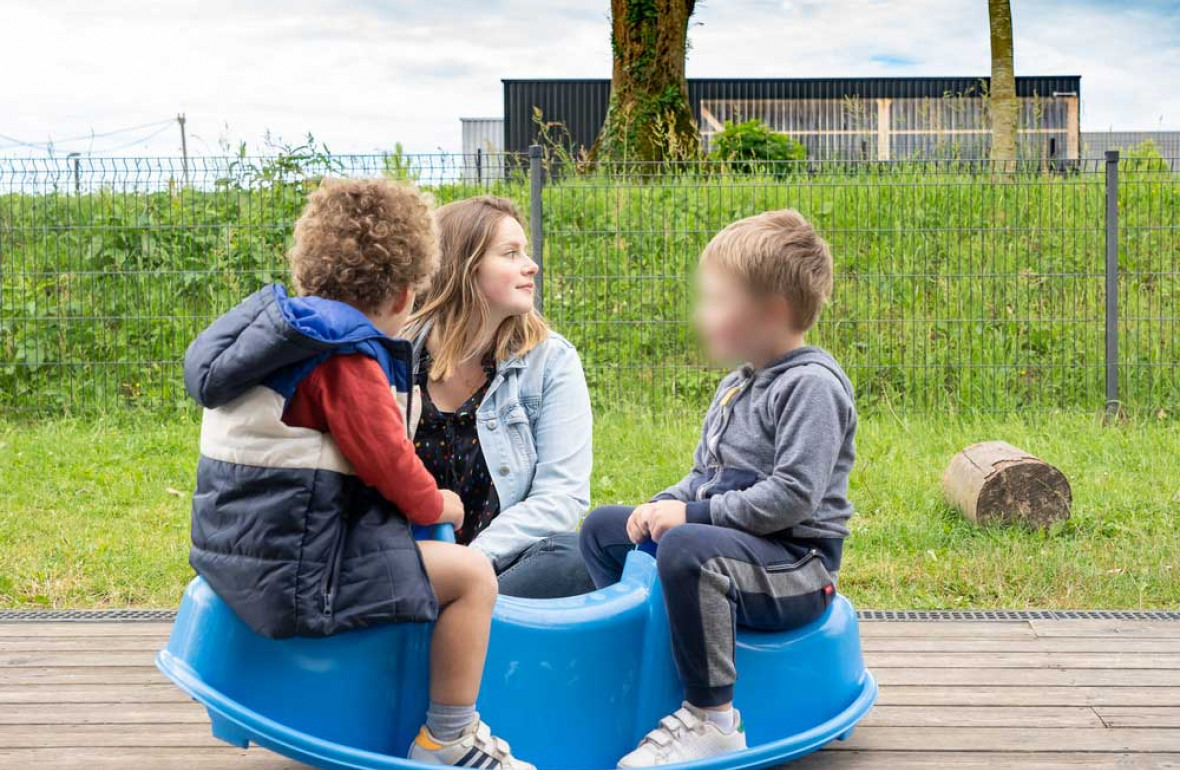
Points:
point(88, 616)
point(925, 616)
point(1002, 615)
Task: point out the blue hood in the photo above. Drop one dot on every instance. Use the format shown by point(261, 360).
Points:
point(275, 340)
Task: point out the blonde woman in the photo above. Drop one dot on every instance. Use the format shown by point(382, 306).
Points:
point(505, 418)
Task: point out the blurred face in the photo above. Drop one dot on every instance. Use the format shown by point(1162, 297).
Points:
point(506, 275)
point(735, 323)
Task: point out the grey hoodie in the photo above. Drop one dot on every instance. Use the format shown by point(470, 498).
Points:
point(775, 452)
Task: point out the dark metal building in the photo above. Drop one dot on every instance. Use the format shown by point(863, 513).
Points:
point(845, 118)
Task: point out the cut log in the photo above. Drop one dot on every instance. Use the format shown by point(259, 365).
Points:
point(995, 482)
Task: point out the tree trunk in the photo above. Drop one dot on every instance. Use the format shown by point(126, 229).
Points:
point(996, 482)
point(649, 117)
point(1005, 107)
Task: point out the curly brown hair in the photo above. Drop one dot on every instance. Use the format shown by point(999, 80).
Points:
point(362, 241)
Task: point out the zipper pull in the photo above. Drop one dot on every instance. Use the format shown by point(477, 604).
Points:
point(329, 597)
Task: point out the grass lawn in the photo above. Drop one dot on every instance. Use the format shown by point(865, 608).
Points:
point(94, 512)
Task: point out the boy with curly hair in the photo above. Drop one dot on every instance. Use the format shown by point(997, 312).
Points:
point(753, 534)
point(308, 480)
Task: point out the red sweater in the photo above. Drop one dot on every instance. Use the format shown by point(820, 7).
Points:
point(349, 397)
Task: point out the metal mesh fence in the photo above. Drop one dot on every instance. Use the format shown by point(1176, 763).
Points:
point(1149, 282)
point(959, 285)
point(110, 267)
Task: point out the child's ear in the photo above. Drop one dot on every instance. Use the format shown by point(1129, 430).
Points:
point(403, 300)
point(782, 309)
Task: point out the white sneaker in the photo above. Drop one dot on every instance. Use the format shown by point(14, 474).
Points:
point(476, 747)
point(684, 736)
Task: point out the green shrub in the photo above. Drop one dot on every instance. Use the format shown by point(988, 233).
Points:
point(752, 146)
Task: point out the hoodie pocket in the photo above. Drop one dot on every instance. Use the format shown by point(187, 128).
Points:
point(728, 480)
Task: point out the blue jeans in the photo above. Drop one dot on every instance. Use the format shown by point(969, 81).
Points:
point(547, 569)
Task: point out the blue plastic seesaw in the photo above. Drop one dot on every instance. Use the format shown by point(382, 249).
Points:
point(572, 684)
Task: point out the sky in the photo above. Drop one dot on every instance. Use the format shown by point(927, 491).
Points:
point(362, 75)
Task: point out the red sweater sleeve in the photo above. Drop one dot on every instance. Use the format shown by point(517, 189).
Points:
point(349, 397)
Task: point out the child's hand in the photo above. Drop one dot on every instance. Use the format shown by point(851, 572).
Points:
point(452, 512)
point(664, 515)
point(637, 523)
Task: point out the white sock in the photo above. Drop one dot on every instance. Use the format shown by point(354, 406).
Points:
point(723, 720)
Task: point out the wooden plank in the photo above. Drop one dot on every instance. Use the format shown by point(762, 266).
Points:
point(110, 693)
point(1021, 677)
point(977, 695)
point(947, 630)
point(910, 739)
point(60, 629)
point(69, 675)
point(153, 758)
point(76, 659)
point(1140, 716)
point(1072, 660)
point(1116, 628)
point(102, 714)
point(132, 736)
point(992, 760)
point(985, 739)
point(884, 122)
point(982, 716)
point(15, 644)
point(982, 645)
point(1073, 136)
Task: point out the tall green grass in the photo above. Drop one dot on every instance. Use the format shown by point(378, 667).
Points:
point(958, 287)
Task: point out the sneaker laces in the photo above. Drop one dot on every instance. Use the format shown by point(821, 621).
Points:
point(671, 728)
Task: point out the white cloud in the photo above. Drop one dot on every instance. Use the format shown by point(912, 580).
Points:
point(363, 75)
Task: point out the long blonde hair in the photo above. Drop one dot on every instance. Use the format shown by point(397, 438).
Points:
point(453, 301)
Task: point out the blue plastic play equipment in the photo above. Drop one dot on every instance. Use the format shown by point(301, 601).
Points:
point(572, 684)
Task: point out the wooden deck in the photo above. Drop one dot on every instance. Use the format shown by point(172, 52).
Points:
point(1029, 694)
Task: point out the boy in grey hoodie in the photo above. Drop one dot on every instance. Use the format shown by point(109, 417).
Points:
point(754, 533)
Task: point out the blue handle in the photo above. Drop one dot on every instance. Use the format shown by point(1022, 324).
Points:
point(444, 533)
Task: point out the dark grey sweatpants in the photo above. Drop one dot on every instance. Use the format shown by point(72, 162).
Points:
point(715, 578)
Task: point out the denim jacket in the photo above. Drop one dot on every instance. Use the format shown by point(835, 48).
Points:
point(536, 430)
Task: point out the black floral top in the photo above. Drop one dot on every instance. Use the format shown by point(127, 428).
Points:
point(448, 445)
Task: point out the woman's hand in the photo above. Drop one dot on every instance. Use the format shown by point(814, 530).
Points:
point(452, 512)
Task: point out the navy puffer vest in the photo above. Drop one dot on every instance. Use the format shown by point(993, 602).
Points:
point(282, 529)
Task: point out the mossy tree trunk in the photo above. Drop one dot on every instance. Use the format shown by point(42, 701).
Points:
point(649, 117)
point(1004, 106)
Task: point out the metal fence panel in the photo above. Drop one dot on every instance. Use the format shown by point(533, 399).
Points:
point(959, 285)
point(1149, 282)
point(110, 267)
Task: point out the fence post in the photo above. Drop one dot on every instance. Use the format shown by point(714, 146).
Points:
point(537, 235)
point(1112, 281)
